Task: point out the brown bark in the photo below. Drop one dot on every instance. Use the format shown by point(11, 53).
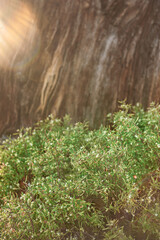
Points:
point(80, 57)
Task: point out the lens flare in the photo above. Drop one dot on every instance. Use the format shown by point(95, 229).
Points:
point(18, 33)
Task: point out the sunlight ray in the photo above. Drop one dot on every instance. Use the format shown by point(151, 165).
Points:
point(17, 30)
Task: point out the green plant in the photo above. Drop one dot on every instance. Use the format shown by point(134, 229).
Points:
point(64, 181)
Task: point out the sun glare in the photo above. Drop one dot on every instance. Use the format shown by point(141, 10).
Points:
point(17, 32)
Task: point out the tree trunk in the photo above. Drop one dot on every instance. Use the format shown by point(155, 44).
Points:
point(76, 57)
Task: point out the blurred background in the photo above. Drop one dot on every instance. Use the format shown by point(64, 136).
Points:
point(76, 57)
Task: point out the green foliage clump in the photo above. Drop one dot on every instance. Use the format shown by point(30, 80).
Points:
point(64, 181)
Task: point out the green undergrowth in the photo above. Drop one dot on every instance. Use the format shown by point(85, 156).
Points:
point(65, 181)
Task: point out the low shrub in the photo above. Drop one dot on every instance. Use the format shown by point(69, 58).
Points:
point(65, 181)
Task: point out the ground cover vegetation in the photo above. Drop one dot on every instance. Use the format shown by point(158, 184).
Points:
point(66, 181)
